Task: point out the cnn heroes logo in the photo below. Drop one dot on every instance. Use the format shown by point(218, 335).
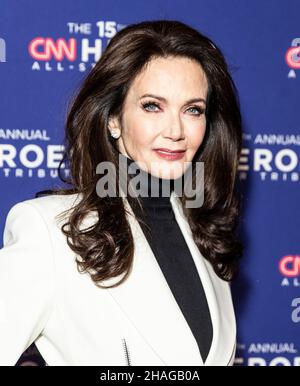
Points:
point(79, 52)
point(289, 267)
point(268, 354)
point(29, 154)
point(271, 157)
point(31, 160)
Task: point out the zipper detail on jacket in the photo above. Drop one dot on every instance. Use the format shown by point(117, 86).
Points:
point(127, 356)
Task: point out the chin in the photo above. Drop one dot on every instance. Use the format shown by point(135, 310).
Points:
point(171, 173)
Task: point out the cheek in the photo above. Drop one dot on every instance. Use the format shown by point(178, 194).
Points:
point(196, 136)
point(138, 131)
point(139, 139)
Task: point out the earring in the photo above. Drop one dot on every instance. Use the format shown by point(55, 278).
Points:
point(115, 133)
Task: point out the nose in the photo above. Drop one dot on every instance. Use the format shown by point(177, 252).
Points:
point(174, 129)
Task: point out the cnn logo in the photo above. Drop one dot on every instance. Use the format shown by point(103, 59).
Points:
point(46, 48)
point(290, 266)
point(292, 55)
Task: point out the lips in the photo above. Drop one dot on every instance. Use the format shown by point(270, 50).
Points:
point(170, 155)
point(169, 151)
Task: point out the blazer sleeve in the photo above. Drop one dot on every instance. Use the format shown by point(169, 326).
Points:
point(26, 280)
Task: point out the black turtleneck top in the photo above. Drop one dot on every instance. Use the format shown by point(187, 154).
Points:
point(172, 253)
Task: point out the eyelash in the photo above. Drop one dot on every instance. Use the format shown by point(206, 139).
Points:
point(147, 104)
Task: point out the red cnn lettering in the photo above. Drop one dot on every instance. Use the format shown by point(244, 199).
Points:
point(290, 266)
point(290, 57)
point(47, 49)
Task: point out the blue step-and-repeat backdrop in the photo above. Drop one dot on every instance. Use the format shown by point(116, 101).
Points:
point(48, 47)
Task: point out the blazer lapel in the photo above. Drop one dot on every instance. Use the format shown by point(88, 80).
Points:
point(218, 296)
point(203, 274)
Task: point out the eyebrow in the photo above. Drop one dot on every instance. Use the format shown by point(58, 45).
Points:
point(193, 100)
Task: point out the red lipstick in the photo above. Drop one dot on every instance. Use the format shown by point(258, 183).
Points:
point(171, 155)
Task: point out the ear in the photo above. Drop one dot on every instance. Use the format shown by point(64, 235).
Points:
point(114, 123)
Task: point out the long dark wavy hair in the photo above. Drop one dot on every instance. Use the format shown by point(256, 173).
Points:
point(106, 249)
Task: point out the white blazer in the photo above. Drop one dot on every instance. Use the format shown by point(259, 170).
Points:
point(43, 298)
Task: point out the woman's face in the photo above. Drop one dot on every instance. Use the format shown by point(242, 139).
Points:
point(168, 119)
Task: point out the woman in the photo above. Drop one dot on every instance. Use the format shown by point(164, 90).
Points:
point(97, 279)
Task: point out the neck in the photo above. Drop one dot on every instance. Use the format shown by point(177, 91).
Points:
point(147, 186)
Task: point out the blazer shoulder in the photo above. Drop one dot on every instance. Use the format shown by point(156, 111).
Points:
point(53, 204)
point(52, 208)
